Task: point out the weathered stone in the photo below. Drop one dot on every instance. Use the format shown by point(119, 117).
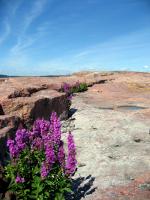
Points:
point(9, 120)
point(39, 105)
point(26, 92)
point(1, 110)
point(9, 196)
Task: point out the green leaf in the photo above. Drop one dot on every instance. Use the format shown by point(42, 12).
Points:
point(59, 196)
point(68, 190)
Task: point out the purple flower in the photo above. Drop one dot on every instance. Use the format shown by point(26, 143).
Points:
point(22, 137)
point(19, 144)
point(66, 87)
point(71, 162)
point(61, 155)
point(44, 170)
point(55, 128)
point(13, 149)
point(10, 142)
point(50, 154)
point(19, 179)
point(45, 137)
point(37, 143)
point(41, 127)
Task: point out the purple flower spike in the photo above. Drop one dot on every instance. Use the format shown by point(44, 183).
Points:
point(50, 154)
point(37, 144)
point(55, 127)
point(19, 179)
point(61, 155)
point(41, 126)
point(71, 159)
point(22, 137)
point(44, 170)
point(13, 149)
point(66, 87)
point(43, 145)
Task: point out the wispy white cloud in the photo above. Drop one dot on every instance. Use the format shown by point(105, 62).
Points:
point(126, 52)
point(15, 6)
point(11, 8)
point(24, 41)
point(121, 52)
point(6, 32)
point(35, 12)
point(22, 44)
point(146, 67)
point(83, 53)
point(134, 40)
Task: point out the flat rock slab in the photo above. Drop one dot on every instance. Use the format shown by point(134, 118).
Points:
point(113, 145)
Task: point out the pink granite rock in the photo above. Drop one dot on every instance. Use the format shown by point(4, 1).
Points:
point(39, 105)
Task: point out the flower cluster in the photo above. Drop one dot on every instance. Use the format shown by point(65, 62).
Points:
point(55, 127)
point(19, 179)
point(16, 146)
point(67, 88)
point(71, 160)
point(75, 88)
point(43, 143)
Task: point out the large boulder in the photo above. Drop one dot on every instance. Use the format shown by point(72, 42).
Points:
point(38, 105)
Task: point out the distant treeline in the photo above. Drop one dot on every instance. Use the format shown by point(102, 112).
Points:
point(6, 76)
point(3, 76)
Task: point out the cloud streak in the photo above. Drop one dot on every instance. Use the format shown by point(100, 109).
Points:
point(24, 41)
point(146, 67)
point(12, 9)
point(36, 11)
point(134, 40)
point(16, 6)
point(6, 33)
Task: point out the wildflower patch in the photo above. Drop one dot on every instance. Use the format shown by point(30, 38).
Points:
point(39, 167)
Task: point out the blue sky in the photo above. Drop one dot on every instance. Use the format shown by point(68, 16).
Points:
point(39, 37)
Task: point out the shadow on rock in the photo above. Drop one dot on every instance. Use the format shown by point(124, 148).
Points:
point(72, 111)
point(82, 187)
